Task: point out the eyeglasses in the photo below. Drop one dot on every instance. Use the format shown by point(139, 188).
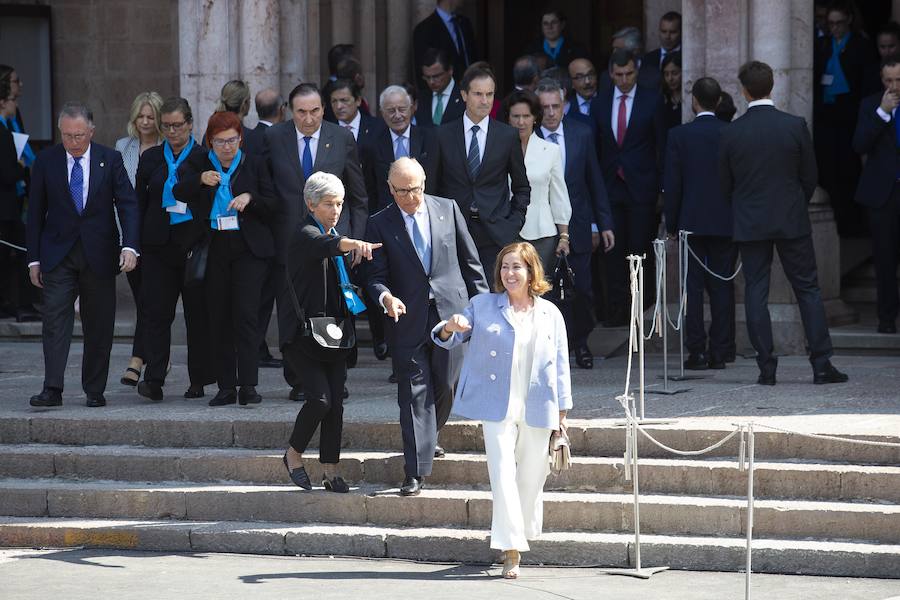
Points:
point(74, 137)
point(404, 192)
point(172, 126)
point(434, 77)
point(585, 76)
point(220, 143)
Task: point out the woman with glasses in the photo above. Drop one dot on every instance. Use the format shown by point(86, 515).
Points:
point(558, 48)
point(168, 231)
point(143, 134)
point(231, 191)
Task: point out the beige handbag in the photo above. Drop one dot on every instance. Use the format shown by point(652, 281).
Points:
point(560, 454)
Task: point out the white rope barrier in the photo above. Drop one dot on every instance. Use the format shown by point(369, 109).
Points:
point(13, 246)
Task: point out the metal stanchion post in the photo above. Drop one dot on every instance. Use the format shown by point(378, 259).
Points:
point(641, 332)
point(682, 302)
point(661, 243)
point(750, 452)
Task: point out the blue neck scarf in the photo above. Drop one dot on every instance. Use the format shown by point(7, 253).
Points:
point(20, 185)
point(354, 304)
point(223, 193)
point(168, 198)
point(553, 52)
point(839, 83)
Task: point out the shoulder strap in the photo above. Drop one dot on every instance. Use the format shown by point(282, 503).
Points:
point(294, 300)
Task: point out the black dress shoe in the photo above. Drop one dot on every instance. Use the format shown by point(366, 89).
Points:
point(829, 375)
point(194, 391)
point(584, 358)
point(346, 393)
point(150, 389)
point(335, 484)
point(381, 350)
point(248, 395)
point(223, 398)
point(298, 475)
point(412, 486)
point(886, 327)
point(766, 378)
point(95, 400)
point(47, 397)
point(297, 394)
point(270, 362)
point(730, 357)
point(392, 378)
point(439, 452)
point(696, 362)
point(715, 363)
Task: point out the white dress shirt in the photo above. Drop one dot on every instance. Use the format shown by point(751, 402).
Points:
point(482, 133)
point(663, 52)
point(763, 102)
point(584, 104)
point(629, 102)
point(313, 143)
point(704, 113)
point(266, 123)
point(354, 125)
point(443, 97)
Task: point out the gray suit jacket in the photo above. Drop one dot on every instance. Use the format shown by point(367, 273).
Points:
point(336, 154)
point(456, 274)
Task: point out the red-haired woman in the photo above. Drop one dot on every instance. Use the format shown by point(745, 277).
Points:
point(233, 192)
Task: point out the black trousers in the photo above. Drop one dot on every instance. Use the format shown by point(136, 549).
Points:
point(718, 254)
point(234, 278)
point(884, 224)
point(634, 227)
point(799, 261)
point(15, 284)
point(270, 288)
point(162, 283)
point(323, 384)
point(839, 166)
point(582, 320)
point(139, 344)
point(426, 378)
point(70, 279)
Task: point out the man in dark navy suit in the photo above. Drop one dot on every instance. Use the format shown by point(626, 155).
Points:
point(427, 269)
point(767, 168)
point(694, 202)
point(878, 137)
point(77, 188)
point(449, 31)
point(669, 40)
point(631, 132)
point(591, 224)
point(345, 99)
point(584, 82)
point(443, 102)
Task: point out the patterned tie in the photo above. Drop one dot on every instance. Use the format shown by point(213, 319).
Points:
point(307, 158)
point(438, 115)
point(401, 148)
point(422, 249)
point(554, 137)
point(460, 42)
point(621, 126)
point(474, 159)
point(76, 185)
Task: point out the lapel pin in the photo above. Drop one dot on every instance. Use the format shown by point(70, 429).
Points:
point(101, 165)
point(441, 217)
point(328, 145)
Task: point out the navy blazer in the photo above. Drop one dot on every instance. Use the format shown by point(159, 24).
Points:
point(369, 128)
point(431, 32)
point(693, 195)
point(587, 192)
point(455, 277)
point(54, 226)
point(378, 155)
point(876, 139)
point(641, 154)
point(454, 109)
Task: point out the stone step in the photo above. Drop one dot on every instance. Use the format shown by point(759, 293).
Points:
point(441, 507)
point(588, 473)
point(718, 553)
point(589, 437)
point(863, 339)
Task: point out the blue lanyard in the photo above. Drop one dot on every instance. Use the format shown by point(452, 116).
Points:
point(354, 304)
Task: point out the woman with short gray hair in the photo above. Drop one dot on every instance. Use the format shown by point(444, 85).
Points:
point(319, 286)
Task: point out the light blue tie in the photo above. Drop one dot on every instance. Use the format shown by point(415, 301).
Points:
point(401, 148)
point(554, 137)
point(422, 249)
point(76, 185)
point(473, 161)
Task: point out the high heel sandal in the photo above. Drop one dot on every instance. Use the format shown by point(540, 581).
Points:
point(128, 380)
point(511, 560)
point(337, 484)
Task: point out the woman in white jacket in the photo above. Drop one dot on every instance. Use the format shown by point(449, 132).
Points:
point(547, 219)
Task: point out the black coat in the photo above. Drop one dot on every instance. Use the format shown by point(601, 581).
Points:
point(569, 52)
point(379, 154)
point(252, 176)
point(877, 139)
point(10, 173)
point(857, 58)
point(454, 109)
point(432, 33)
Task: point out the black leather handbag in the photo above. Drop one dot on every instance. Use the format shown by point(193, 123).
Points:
point(330, 333)
point(563, 292)
point(195, 263)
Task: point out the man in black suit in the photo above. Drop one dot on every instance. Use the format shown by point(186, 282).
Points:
point(449, 31)
point(345, 99)
point(767, 169)
point(694, 203)
point(631, 39)
point(269, 109)
point(631, 132)
point(481, 166)
point(877, 136)
point(669, 40)
point(295, 150)
point(591, 224)
point(443, 103)
point(584, 82)
point(77, 188)
point(427, 269)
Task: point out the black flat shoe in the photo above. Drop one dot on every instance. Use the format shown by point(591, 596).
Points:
point(412, 486)
point(887, 327)
point(128, 380)
point(298, 475)
point(248, 395)
point(336, 484)
point(297, 394)
point(270, 362)
point(584, 358)
point(47, 397)
point(716, 364)
point(766, 379)
point(392, 378)
point(194, 391)
point(224, 398)
point(95, 400)
point(381, 350)
point(696, 362)
point(829, 375)
point(150, 389)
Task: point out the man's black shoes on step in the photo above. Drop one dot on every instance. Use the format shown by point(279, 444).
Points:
point(47, 397)
point(412, 486)
point(829, 375)
point(224, 398)
point(150, 389)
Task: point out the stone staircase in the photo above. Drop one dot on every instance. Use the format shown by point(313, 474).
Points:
point(185, 485)
point(858, 289)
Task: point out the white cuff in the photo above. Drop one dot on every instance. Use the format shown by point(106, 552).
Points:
point(380, 303)
point(35, 263)
point(594, 228)
point(886, 117)
point(132, 250)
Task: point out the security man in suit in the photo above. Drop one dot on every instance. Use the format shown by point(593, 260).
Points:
point(449, 31)
point(427, 269)
point(444, 103)
point(694, 202)
point(77, 188)
point(767, 168)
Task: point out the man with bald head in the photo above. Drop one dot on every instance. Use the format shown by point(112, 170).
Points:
point(584, 81)
point(427, 270)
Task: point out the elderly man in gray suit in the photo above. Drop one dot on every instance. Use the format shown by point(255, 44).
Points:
point(295, 150)
point(426, 270)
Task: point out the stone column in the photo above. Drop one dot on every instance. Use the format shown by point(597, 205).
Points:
point(367, 50)
point(342, 21)
point(770, 42)
point(653, 10)
point(260, 47)
point(313, 32)
point(399, 40)
point(216, 42)
point(293, 34)
point(421, 9)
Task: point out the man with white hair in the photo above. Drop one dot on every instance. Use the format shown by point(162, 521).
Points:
point(426, 270)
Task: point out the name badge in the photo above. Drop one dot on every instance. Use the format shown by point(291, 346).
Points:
point(227, 223)
point(180, 207)
point(827, 79)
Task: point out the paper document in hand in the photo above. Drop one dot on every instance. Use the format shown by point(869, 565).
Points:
point(20, 140)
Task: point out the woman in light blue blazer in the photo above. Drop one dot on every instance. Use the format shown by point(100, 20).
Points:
point(515, 379)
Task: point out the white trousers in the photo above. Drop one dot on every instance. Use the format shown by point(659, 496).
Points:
point(518, 465)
